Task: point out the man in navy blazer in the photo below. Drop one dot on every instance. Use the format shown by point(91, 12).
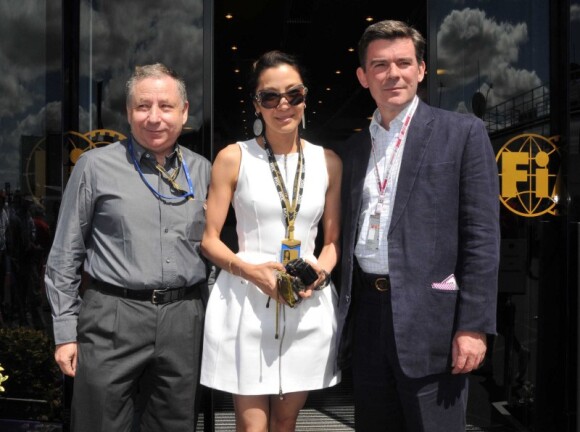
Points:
point(420, 246)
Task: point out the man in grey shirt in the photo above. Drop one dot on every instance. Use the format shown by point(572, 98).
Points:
point(132, 217)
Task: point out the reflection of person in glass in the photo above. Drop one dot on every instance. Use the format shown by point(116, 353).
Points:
point(270, 378)
point(420, 245)
point(132, 214)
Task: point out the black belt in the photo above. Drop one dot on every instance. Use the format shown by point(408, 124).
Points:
point(156, 296)
point(379, 282)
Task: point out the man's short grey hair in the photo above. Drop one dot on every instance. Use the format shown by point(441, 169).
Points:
point(157, 70)
point(389, 30)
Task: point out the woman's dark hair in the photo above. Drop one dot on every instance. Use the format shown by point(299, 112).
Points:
point(269, 60)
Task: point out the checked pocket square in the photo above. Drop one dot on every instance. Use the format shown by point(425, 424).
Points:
point(448, 284)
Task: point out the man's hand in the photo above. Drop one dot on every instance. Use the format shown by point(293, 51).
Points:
point(66, 357)
point(468, 351)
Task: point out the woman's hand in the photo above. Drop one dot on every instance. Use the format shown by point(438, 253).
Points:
point(263, 276)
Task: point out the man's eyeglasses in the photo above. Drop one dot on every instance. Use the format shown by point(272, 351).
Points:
point(271, 99)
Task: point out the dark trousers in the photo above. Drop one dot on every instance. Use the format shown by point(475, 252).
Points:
point(385, 398)
point(134, 352)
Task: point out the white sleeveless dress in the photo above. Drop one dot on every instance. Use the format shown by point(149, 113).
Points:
point(240, 352)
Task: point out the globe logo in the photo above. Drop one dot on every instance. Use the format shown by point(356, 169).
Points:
point(80, 143)
point(77, 143)
point(529, 170)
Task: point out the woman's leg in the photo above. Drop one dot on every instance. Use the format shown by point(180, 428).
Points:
point(284, 413)
point(251, 413)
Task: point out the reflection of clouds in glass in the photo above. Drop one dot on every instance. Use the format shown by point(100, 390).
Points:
point(168, 33)
point(509, 82)
point(15, 96)
point(35, 125)
point(115, 36)
point(469, 43)
point(24, 32)
point(575, 12)
point(47, 120)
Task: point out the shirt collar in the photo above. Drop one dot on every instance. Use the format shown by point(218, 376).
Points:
point(141, 154)
point(376, 127)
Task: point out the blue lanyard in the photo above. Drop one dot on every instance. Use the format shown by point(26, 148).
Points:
point(187, 195)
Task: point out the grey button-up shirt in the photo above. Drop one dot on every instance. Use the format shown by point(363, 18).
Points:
point(111, 223)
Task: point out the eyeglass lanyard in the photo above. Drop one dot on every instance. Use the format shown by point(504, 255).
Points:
point(187, 195)
point(382, 184)
point(290, 210)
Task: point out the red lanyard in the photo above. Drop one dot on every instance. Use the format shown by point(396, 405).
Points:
point(382, 184)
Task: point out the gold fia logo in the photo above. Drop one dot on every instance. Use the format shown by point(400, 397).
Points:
point(80, 143)
point(529, 170)
point(77, 144)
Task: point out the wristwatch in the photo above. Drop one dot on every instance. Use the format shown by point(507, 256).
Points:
point(325, 282)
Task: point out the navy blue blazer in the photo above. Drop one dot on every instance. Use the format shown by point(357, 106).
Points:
point(445, 222)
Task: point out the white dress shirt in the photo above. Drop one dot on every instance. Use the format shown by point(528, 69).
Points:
point(385, 159)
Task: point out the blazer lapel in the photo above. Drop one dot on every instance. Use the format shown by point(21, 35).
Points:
point(360, 160)
point(420, 132)
point(355, 162)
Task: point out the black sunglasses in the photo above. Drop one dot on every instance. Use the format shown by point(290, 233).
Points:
point(271, 99)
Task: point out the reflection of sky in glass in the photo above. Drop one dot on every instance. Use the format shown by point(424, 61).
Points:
point(497, 47)
point(170, 32)
point(24, 34)
point(115, 36)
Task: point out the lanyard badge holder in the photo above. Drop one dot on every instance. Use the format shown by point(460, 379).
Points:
point(289, 251)
point(290, 247)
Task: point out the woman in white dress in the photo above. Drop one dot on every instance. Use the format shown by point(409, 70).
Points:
point(257, 347)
